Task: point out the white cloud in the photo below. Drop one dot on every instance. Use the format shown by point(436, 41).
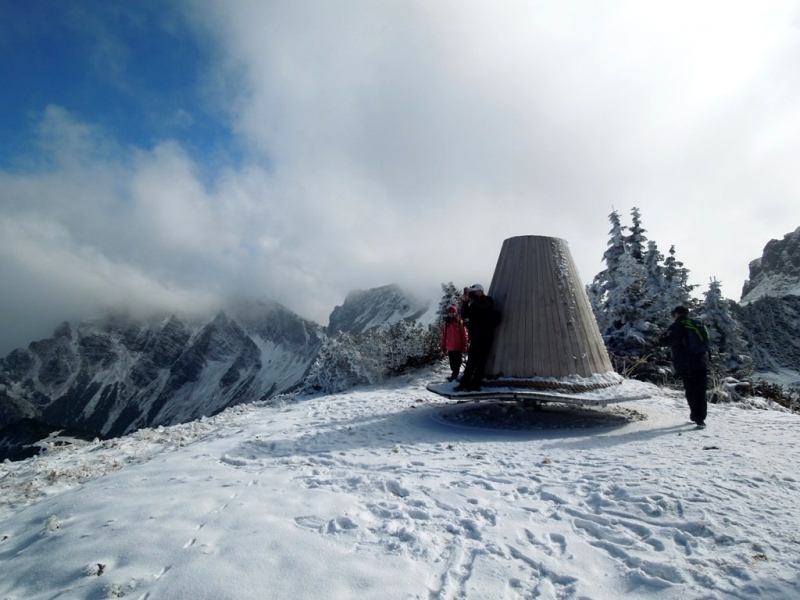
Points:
point(404, 142)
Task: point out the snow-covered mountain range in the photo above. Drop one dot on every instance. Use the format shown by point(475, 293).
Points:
point(118, 374)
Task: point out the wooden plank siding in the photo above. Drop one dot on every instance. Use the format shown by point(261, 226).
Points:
point(547, 327)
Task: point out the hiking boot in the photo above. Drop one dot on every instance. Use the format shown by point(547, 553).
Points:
point(459, 388)
point(701, 424)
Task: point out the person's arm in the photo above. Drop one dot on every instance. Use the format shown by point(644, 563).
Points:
point(484, 304)
point(465, 308)
point(673, 336)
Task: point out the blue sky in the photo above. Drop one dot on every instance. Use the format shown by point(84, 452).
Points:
point(170, 156)
point(136, 70)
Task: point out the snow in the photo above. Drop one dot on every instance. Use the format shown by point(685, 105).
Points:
point(393, 492)
point(784, 377)
point(775, 286)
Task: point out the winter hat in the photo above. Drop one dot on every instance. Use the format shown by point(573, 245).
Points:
point(476, 288)
point(680, 310)
point(452, 308)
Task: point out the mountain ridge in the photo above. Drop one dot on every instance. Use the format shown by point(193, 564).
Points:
point(117, 374)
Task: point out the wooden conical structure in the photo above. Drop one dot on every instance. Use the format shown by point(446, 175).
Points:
point(548, 330)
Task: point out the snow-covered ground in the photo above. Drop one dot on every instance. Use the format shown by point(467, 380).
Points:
point(393, 492)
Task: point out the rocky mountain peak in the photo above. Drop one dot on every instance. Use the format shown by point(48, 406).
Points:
point(363, 310)
point(777, 272)
point(116, 374)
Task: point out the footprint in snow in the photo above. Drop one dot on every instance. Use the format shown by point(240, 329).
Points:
point(559, 541)
point(395, 488)
point(321, 525)
point(312, 522)
point(162, 572)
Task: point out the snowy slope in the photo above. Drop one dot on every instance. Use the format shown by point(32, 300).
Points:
point(395, 493)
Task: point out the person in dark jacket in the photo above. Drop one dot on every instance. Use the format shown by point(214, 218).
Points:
point(477, 309)
point(454, 340)
point(691, 367)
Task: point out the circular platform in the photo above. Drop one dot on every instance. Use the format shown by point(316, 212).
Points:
point(521, 416)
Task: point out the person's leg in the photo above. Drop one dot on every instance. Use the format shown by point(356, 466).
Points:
point(455, 363)
point(695, 384)
point(689, 393)
point(700, 399)
point(481, 356)
point(469, 369)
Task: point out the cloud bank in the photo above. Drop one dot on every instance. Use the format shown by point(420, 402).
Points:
point(403, 143)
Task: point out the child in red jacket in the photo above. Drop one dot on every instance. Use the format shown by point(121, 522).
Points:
point(454, 340)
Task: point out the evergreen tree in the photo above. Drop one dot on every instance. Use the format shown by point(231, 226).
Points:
point(677, 290)
point(627, 309)
point(606, 280)
point(450, 295)
point(725, 333)
point(635, 241)
point(656, 286)
point(616, 243)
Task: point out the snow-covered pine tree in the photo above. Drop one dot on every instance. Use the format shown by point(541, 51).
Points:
point(616, 244)
point(628, 329)
point(606, 280)
point(450, 295)
point(678, 290)
point(635, 241)
point(620, 295)
point(656, 286)
point(728, 345)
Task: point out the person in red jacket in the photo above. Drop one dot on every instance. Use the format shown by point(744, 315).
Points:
point(454, 340)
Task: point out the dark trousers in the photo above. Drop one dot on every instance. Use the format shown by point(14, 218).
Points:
point(695, 383)
point(476, 362)
point(455, 357)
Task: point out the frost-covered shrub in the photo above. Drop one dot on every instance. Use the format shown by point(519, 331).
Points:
point(789, 398)
point(344, 361)
point(729, 389)
point(409, 345)
point(347, 360)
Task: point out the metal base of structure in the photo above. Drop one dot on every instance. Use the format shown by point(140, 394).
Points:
point(601, 398)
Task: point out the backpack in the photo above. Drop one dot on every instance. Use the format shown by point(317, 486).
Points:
point(697, 338)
